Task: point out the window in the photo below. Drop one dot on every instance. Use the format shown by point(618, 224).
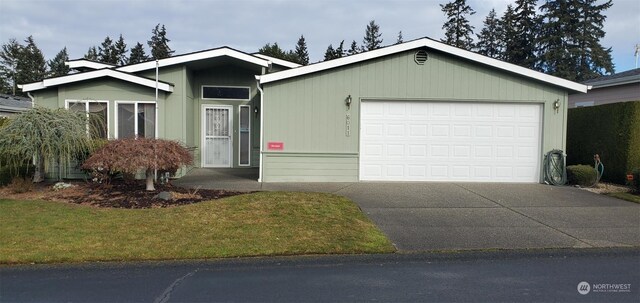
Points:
point(97, 112)
point(226, 92)
point(245, 135)
point(135, 119)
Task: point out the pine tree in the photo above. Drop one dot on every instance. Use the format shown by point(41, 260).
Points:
point(458, 31)
point(137, 54)
point(526, 26)
point(31, 67)
point(509, 31)
point(340, 52)
point(120, 51)
point(372, 37)
point(92, 54)
point(9, 57)
point(274, 50)
point(490, 38)
point(570, 40)
point(57, 66)
point(159, 43)
point(330, 53)
point(301, 51)
point(107, 52)
point(354, 49)
point(400, 39)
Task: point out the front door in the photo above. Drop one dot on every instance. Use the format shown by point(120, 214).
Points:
point(217, 136)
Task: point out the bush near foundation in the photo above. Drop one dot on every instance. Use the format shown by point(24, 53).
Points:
point(128, 156)
point(583, 175)
point(610, 130)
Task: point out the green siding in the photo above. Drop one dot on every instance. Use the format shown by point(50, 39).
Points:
point(308, 113)
point(287, 167)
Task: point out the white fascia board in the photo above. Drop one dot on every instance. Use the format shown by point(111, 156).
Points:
point(31, 86)
point(194, 57)
point(93, 75)
point(87, 64)
point(424, 42)
point(277, 61)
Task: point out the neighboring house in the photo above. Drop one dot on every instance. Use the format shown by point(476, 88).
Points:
point(620, 87)
point(420, 110)
point(11, 105)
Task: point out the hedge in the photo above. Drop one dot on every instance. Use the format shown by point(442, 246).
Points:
point(583, 175)
point(610, 130)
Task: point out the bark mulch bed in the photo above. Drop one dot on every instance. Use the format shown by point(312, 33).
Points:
point(120, 194)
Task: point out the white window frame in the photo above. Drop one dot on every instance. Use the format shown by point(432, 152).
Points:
point(86, 109)
point(224, 86)
point(135, 116)
point(239, 132)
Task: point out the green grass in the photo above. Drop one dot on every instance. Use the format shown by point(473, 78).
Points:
point(626, 196)
point(259, 224)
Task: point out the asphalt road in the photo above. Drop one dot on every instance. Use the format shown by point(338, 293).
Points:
point(522, 276)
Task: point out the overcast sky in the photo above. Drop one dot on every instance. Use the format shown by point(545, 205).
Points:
point(247, 25)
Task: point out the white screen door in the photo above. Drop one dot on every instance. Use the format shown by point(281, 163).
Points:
point(217, 136)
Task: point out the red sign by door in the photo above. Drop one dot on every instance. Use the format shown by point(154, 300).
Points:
point(275, 145)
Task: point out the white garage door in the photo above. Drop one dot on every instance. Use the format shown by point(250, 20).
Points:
point(450, 141)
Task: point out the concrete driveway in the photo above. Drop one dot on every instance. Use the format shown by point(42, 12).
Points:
point(424, 216)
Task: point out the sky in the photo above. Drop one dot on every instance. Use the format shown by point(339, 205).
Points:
point(247, 25)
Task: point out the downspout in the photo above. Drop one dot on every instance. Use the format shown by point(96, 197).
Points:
point(261, 125)
point(33, 100)
point(155, 171)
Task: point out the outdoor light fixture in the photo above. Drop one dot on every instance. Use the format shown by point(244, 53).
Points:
point(348, 101)
point(256, 110)
point(556, 105)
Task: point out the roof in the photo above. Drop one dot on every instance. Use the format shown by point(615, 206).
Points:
point(80, 63)
point(10, 103)
point(100, 73)
point(421, 43)
point(626, 77)
point(277, 61)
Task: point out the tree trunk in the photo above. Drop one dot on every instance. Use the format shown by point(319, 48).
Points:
point(38, 175)
point(149, 175)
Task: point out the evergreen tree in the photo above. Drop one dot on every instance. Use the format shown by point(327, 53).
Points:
point(400, 39)
point(523, 48)
point(354, 49)
point(31, 67)
point(301, 51)
point(509, 31)
point(137, 54)
point(107, 52)
point(57, 66)
point(340, 52)
point(274, 50)
point(458, 31)
point(159, 43)
point(490, 38)
point(570, 39)
point(372, 37)
point(330, 53)
point(120, 51)
point(9, 57)
point(92, 54)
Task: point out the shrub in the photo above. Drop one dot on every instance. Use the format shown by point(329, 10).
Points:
point(8, 173)
point(20, 185)
point(583, 175)
point(610, 130)
point(129, 156)
point(635, 183)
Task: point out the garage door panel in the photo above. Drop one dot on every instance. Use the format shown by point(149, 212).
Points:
point(439, 141)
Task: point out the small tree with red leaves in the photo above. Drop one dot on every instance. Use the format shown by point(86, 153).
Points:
point(132, 155)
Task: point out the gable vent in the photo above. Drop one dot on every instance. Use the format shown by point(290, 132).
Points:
point(421, 56)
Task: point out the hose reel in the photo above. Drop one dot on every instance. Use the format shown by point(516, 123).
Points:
point(555, 167)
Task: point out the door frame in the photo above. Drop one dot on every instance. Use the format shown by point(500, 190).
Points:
point(203, 118)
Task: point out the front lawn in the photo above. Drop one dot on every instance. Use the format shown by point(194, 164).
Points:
point(258, 224)
point(626, 196)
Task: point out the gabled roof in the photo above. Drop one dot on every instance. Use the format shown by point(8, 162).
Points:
point(84, 63)
point(277, 61)
point(626, 77)
point(105, 72)
point(421, 43)
point(206, 54)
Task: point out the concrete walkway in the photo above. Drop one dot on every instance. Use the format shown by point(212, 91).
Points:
point(423, 216)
